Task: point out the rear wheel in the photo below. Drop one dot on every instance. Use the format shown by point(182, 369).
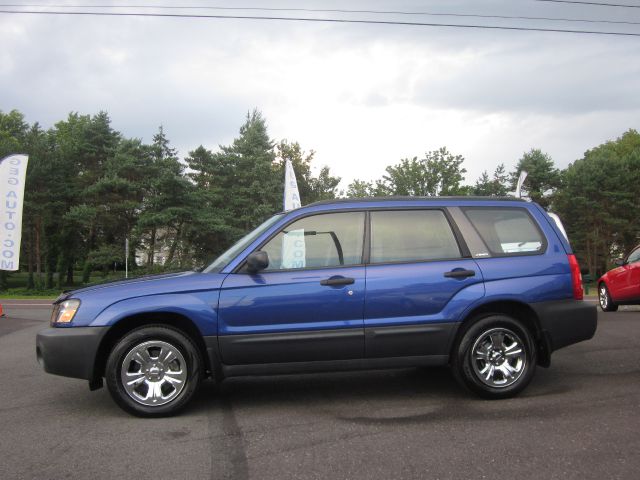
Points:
point(153, 371)
point(495, 357)
point(606, 304)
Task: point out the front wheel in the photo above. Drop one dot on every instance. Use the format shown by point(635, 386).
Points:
point(495, 357)
point(153, 371)
point(606, 304)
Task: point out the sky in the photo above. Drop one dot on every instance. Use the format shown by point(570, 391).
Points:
point(362, 96)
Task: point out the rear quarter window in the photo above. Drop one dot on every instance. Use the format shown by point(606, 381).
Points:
point(507, 231)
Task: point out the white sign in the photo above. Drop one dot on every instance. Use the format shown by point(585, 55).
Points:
point(291, 194)
point(13, 172)
point(293, 245)
point(293, 250)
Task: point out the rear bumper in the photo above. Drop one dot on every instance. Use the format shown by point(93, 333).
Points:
point(70, 352)
point(566, 322)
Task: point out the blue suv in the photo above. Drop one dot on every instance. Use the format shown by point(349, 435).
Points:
point(489, 286)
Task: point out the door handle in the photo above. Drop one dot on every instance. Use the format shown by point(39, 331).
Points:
point(460, 274)
point(333, 281)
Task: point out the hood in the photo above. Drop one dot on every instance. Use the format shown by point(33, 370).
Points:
point(181, 282)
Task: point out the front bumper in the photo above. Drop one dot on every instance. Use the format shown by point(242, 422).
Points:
point(69, 351)
point(566, 322)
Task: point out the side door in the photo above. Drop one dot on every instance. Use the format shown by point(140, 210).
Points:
point(308, 304)
point(415, 273)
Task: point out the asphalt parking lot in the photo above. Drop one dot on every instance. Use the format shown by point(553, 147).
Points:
point(578, 419)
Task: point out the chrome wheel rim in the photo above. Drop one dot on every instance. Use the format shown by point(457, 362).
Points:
point(498, 358)
point(604, 298)
point(153, 373)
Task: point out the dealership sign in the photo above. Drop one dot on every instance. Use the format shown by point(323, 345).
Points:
point(13, 171)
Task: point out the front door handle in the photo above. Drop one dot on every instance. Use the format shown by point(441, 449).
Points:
point(333, 281)
point(460, 273)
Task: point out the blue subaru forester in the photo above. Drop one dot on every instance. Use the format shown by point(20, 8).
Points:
point(488, 286)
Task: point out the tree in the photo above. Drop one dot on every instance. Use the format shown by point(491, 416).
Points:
point(497, 186)
point(82, 146)
point(167, 205)
point(237, 188)
point(438, 173)
point(312, 189)
point(599, 201)
point(542, 176)
point(13, 132)
point(253, 190)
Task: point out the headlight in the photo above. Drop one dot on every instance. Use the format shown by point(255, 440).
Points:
point(65, 311)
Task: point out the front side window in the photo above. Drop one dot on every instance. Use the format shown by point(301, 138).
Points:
point(318, 241)
point(411, 235)
point(506, 231)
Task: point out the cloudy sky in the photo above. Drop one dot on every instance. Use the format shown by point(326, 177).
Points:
point(362, 96)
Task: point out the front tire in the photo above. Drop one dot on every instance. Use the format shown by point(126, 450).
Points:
point(153, 371)
point(495, 357)
point(604, 298)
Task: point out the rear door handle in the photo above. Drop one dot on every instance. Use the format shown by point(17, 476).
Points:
point(460, 273)
point(333, 281)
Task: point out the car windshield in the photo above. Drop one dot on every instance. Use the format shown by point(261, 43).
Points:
point(220, 262)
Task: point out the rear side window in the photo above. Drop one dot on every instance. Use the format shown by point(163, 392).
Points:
point(411, 235)
point(506, 231)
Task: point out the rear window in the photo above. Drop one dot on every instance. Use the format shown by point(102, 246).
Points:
point(507, 231)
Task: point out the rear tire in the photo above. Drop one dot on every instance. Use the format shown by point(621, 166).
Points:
point(495, 357)
point(153, 371)
point(604, 298)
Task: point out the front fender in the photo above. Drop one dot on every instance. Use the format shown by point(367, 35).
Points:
point(202, 311)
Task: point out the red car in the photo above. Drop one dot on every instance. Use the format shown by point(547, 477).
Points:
point(621, 286)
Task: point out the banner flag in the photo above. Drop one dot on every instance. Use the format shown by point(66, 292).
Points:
point(13, 173)
point(521, 178)
point(291, 194)
point(293, 244)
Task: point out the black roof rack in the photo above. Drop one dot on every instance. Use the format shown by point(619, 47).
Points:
point(409, 198)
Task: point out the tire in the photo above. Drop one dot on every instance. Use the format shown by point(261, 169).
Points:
point(153, 371)
point(505, 357)
point(604, 299)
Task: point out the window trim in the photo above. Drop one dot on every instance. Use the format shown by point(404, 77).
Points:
point(492, 254)
point(241, 266)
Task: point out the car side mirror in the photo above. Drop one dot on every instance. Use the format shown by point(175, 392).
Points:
point(257, 261)
point(619, 262)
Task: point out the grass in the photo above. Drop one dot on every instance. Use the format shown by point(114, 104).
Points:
point(25, 293)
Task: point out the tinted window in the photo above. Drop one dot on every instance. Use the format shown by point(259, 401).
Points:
point(634, 256)
point(509, 231)
point(327, 240)
point(408, 235)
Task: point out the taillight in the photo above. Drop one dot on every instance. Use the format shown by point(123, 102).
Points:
point(576, 278)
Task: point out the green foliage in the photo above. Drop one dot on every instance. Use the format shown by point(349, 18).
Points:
point(497, 186)
point(312, 189)
point(89, 189)
point(600, 201)
point(542, 179)
point(438, 173)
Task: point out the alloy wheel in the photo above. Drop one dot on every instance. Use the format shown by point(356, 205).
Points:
point(153, 373)
point(498, 357)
